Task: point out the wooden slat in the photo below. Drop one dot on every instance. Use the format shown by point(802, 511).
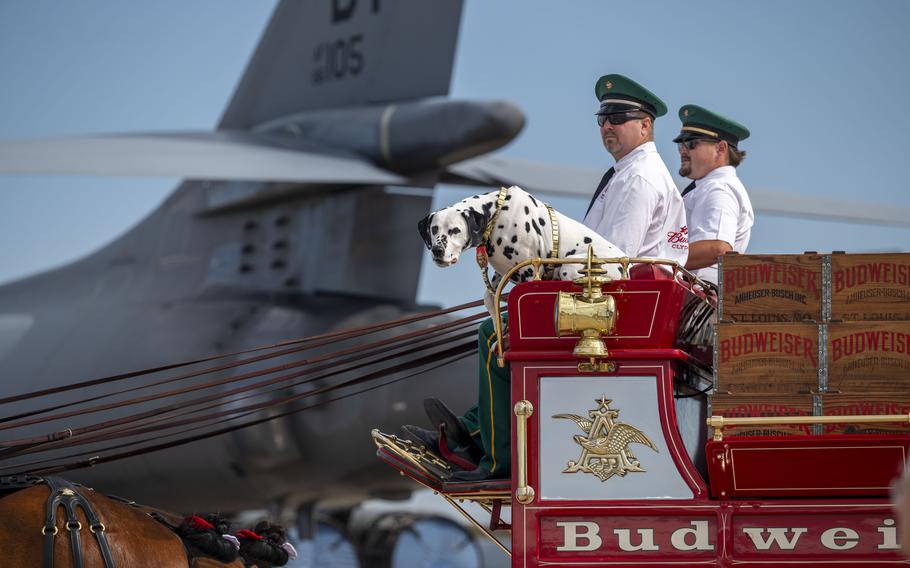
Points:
point(766, 288)
point(763, 358)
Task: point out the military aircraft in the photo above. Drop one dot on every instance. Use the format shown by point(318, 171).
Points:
point(320, 166)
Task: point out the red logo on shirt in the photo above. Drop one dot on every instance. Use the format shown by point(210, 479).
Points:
point(679, 239)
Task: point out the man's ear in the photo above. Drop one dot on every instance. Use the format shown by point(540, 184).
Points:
point(477, 222)
point(423, 227)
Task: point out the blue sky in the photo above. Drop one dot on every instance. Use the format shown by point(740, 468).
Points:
point(821, 84)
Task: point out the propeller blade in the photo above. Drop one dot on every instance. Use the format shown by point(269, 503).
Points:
point(556, 179)
point(222, 155)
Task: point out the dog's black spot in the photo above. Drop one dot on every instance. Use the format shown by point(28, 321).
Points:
point(508, 197)
point(514, 238)
point(527, 274)
point(501, 226)
point(587, 240)
point(475, 197)
point(538, 253)
point(487, 207)
point(499, 241)
point(505, 207)
point(542, 222)
point(534, 201)
point(564, 273)
point(515, 278)
point(514, 224)
point(454, 231)
point(571, 252)
point(435, 229)
point(536, 228)
point(527, 210)
point(527, 227)
point(508, 252)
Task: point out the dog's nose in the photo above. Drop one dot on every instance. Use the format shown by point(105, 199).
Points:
point(437, 251)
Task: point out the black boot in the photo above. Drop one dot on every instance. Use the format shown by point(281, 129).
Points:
point(457, 436)
point(460, 457)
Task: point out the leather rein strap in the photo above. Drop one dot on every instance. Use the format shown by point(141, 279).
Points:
point(483, 261)
point(65, 493)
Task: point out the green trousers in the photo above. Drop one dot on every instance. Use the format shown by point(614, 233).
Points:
point(489, 421)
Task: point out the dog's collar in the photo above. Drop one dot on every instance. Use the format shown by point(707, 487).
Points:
point(554, 251)
point(483, 260)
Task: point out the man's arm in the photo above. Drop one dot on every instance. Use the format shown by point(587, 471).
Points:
point(704, 253)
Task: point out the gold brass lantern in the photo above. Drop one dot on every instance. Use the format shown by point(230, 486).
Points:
point(590, 314)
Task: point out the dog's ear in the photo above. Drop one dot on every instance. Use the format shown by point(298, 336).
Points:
point(477, 222)
point(423, 227)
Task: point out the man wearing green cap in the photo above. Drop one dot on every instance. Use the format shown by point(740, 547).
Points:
point(717, 205)
point(637, 207)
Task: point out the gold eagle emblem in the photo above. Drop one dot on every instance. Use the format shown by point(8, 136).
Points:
point(605, 450)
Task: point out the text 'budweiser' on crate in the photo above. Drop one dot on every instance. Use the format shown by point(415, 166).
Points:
point(761, 358)
point(765, 288)
point(869, 356)
point(764, 406)
point(865, 404)
point(870, 287)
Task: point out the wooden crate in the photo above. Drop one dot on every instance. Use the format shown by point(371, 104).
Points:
point(870, 287)
point(855, 404)
point(746, 406)
point(869, 356)
point(762, 358)
point(771, 288)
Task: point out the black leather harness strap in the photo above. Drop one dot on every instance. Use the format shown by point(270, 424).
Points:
point(65, 493)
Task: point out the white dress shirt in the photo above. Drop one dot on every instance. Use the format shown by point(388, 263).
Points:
point(640, 210)
point(719, 209)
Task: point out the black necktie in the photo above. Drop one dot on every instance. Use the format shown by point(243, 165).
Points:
point(689, 188)
point(603, 183)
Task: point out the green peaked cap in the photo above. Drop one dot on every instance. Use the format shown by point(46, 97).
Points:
point(699, 122)
point(621, 88)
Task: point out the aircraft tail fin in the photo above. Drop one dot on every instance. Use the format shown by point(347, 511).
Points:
point(318, 54)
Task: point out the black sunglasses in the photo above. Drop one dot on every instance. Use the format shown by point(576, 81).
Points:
point(618, 118)
point(691, 143)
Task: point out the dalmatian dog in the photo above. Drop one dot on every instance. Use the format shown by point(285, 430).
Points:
point(521, 232)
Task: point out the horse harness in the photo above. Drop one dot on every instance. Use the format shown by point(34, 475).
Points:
point(63, 494)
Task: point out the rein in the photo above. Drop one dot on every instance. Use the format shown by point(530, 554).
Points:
point(483, 260)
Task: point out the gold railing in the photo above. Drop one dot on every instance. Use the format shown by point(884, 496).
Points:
point(523, 410)
point(538, 263)
point(720, 422)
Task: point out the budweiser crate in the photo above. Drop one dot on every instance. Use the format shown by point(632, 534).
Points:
point(771, 288)
point(868, 356)
point(762, 358)
point(875, 403)
point(870, 287)
point(748, 406)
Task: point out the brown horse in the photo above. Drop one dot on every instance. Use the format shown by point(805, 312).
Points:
point(133, 537)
